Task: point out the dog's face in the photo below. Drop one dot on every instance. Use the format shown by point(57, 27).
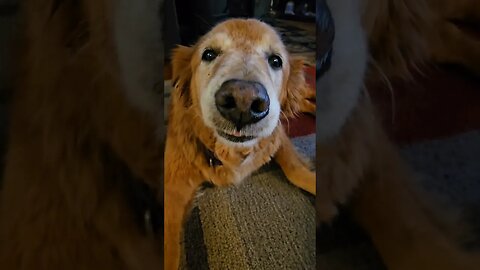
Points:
point(239, 79)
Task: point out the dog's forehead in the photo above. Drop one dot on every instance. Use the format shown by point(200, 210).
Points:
point(241, 33)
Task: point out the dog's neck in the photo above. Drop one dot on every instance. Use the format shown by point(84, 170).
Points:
point(210, 157)
point(147, 211)
point(142, 198)
point(208, 145)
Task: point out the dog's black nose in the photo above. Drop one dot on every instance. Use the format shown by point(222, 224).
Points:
point(242, 102)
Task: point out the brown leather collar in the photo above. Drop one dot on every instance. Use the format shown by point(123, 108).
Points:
point(148, 212)
point(210, 156)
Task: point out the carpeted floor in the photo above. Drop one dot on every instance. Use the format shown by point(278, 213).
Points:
point(449, 167)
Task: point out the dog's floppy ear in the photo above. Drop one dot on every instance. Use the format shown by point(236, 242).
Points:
point(181, 74)
point(296, 90)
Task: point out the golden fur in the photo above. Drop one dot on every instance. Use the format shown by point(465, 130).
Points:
point(186, 167)
point(73, 138)
point(450, 43)
point(361, 167)
point(408, 34)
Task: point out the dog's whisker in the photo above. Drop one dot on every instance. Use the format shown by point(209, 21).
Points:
point(388, 84)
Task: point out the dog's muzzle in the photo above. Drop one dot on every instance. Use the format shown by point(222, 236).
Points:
point(242, 102)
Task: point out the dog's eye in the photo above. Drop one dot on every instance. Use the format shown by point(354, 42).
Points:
point(275, 61)
point(209, 55)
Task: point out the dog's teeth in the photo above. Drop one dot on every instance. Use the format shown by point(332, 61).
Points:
point(236, 133)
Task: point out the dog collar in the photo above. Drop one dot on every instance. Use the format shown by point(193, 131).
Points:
point(146, 210)
point(210, 156)
point(212, 160)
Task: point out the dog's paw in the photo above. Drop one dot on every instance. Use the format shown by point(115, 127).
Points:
point(304, 179)
point(224, 177)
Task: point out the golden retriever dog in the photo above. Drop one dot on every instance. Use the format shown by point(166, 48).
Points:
point(231, 90)
point(357, 165)
point(82, 187)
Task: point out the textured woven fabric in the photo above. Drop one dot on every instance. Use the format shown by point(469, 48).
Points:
point(264, 223)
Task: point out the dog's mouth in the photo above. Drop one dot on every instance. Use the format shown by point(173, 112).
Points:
point(235, 136)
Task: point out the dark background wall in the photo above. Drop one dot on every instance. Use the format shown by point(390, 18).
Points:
point(8, 12)
point(187, 20)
